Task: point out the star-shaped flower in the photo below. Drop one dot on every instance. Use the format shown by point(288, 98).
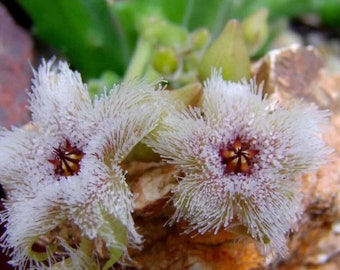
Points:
point(64, 171)
point(241, 154)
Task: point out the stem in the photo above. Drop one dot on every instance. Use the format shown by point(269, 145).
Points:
point(86, 246)
point(139, 59)
point(115, 254)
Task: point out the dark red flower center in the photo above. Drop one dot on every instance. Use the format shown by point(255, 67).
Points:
point(238, 157)
point(66, 159)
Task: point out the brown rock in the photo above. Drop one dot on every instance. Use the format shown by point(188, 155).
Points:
point(316, 244)
point(152, 188)
point(294, 71)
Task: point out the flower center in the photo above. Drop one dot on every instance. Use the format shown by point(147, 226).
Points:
point(238, 157)
point(66, 159)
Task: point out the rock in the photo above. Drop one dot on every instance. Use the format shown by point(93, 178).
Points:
point(16, 52)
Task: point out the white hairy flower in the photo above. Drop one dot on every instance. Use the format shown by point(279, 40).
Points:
point(65, 169)
point(241, 155)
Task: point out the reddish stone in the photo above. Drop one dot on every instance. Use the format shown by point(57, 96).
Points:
point(16, 52)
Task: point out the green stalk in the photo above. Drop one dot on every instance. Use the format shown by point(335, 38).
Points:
point(86, 246)
point(139, 59)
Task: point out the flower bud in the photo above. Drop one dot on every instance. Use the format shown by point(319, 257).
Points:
point(229, 53)
point(199, 38)
point(156, 30)
point(255, 30)
point(107, 79)
point(165, 61)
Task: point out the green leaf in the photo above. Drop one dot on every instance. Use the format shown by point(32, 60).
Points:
point(83, 30)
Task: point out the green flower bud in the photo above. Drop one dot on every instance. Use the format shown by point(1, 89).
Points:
point(199, 38)
point(165, 61)
point(255, 30)
point(229, 53)
point(107, 79)
point(156, 30)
